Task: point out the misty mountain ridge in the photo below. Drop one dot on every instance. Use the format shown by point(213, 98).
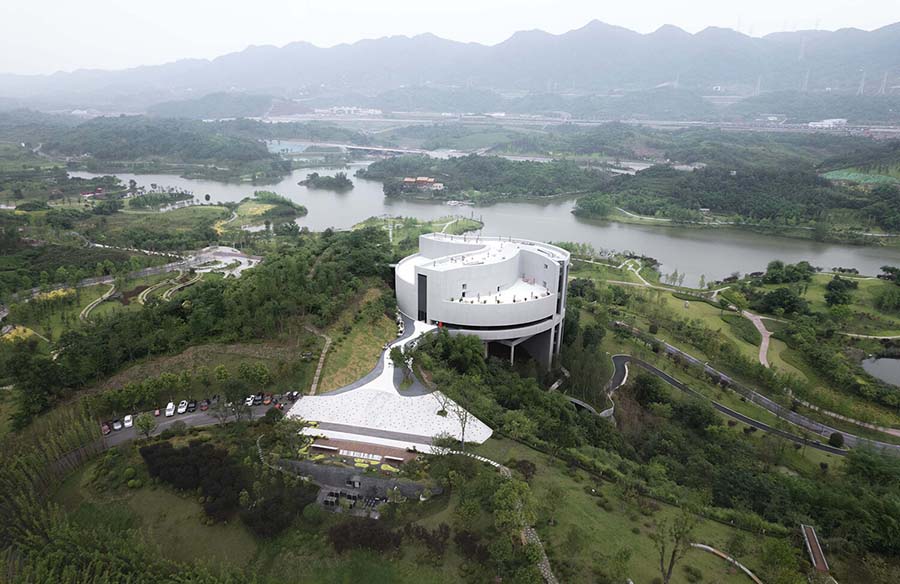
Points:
point(596, 58)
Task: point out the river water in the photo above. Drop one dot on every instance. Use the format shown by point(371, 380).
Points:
point(714, 253)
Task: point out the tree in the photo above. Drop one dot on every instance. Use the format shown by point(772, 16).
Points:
point(836, 439)
point(220, 373)
point(398, 358)
point(513, 506)
point(673, 540)
point(145, 423)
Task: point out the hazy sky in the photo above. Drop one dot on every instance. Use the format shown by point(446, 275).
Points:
point(42, 36)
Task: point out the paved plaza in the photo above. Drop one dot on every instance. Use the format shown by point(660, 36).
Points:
point(375, 410)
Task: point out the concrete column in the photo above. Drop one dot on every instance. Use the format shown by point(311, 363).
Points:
point(512, 354)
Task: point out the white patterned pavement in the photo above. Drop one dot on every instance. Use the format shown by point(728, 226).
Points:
point(376, 412)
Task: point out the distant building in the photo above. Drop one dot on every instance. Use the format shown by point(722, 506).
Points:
point(422, 183)
point(829, 124)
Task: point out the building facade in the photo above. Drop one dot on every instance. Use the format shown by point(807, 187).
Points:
point(503, 290)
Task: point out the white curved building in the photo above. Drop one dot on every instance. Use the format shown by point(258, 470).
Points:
point(504, 290)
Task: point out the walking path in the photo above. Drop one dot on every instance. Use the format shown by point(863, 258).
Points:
point(146, 292)
point(167, 295)
point(85, 313)
point(321, 364)
point(621, 372)
point(528, 532)
point(765, 334)
point(728, 559)
point(851, 440)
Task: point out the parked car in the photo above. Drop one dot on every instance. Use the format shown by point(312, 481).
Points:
point(204, 405)
point(170, 410)
point(182, 406)
point(267, 399)
point(129, 421)
point(105, 429)
point(156, 412)
point(249, 401)
point(192, 406)
point(117, 425)
point(258, 399)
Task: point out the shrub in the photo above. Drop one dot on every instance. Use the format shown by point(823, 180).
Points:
point(129, 473)
point(313, 514)
point(693, 574)
point(836, 439)
point(363, 534)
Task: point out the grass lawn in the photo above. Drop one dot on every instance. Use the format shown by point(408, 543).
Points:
point(600, 532)
point(357, 342)
point(127, 300)
point(580, 269)
point(865, 318)
point(170, 522)
point(406, 229)
point(6, 409)
point(59, 321)
point(182, 228)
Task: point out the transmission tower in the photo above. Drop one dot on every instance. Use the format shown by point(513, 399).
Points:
point(862, 84)
point(883, 88)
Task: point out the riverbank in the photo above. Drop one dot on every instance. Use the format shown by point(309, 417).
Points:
point(804, 232)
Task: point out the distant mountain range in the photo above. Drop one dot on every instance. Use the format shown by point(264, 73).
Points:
point(597, 58)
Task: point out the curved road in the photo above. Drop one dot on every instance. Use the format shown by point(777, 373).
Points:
point(621, 372)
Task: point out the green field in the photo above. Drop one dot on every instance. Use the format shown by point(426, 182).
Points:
point(357, 341)
point(186, 228)
point(604, 532)
point(65, 318)
point(887, 175)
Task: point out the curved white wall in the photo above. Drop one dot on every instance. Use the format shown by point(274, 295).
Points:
point(483, 269)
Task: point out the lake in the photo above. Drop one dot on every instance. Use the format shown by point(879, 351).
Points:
point(885, 369)
point(713, 252)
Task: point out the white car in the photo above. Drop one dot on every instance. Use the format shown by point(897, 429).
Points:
point(182, 406)
point(249, 401)
point(129, 421)
point(170, 410)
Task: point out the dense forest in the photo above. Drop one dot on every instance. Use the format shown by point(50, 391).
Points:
point(491, 176)
point(781, 197)
point(258, 304)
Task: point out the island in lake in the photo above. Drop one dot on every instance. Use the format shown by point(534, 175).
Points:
point(338, 182)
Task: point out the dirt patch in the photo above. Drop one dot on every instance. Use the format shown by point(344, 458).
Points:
point(129, 295)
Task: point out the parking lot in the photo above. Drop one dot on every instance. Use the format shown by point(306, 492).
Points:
point(190, 419)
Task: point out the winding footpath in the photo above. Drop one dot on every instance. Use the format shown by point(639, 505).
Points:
point(84, 316)
point(321, 364)
point(528, 532)
point(765, 335)
point(621, 373)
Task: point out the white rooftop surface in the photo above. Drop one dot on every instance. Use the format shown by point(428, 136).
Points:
point(485, 250)
point(520, 290)
point(377, 405)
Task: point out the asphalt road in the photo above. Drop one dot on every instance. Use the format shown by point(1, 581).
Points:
point(621, 361)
